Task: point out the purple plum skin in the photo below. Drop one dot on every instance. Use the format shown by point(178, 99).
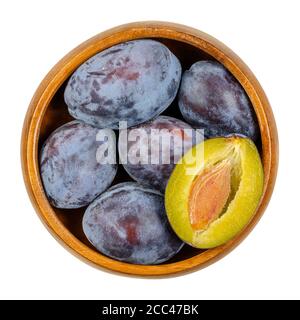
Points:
point(133, 81)
point(71, 175)
point(157, 175)
point(210, 98)
point(128, 223)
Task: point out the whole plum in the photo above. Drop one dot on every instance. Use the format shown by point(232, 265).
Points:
point(212, 99)
point(128, 223)
point(150, 150)
point(133, 81)
point(72, 170)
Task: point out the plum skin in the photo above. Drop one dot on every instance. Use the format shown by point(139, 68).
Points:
point(71, 174)
point(157, 175)
point(133, 81)
point(128, 223)
point(212, 99)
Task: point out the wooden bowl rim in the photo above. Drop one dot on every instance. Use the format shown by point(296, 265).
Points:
point(65, 67)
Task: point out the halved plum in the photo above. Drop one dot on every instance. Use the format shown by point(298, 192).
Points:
point(209, 201)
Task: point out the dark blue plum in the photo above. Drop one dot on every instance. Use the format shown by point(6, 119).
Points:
point(72, 173)
point(212, 99)
point(132, 81)
point(164, 139)
point(128, 223)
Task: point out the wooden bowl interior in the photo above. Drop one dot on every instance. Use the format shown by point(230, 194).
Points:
point(57, 114)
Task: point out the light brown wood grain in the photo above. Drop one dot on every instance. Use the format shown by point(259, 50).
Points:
point(47, 111)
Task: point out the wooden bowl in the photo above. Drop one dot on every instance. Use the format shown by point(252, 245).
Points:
point(47, 111)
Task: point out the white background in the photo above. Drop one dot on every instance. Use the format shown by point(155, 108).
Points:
point(36, 34)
